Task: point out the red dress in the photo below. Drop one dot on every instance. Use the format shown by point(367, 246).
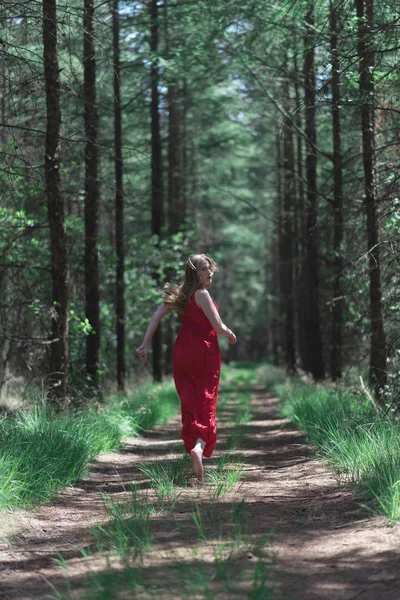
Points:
point(197, 364)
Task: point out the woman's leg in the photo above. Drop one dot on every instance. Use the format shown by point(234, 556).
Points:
point(196, 456)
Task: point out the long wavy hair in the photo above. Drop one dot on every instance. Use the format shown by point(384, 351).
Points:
point(179, 296)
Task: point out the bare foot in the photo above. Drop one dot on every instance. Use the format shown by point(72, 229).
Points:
point(196, 455)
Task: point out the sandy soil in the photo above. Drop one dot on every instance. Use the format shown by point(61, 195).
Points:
point(325, 545)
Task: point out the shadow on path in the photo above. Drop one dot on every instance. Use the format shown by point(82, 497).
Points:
point(326, 546)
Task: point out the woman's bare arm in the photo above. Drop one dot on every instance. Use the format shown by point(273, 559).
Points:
point(161, 311)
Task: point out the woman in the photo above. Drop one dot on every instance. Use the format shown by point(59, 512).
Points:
point(197, 360)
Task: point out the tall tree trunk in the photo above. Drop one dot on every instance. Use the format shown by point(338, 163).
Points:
point(184, 142)
point(119, 207)
point(55, 205)
point(287, 237)
point(157, 212)
point(176, 205)
point(315, 362)
point(337, 299)
point(365, 14)
point(92, 195)
point(300, 229)
point(276, 308)
point(3, 109)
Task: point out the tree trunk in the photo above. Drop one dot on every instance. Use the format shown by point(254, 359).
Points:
point(287, 237)
point(337, 206)
point(55, 205)
point(176, 202)
point(119, 207)
point(365, 14)
point(176, 207)
point(157, 213)
point(276, 308)
point(91, 196)
point(3, 67)
point(184, 142)
point(300, 230)
point(315, 363)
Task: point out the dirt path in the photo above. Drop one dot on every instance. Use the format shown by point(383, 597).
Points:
point(323, 543)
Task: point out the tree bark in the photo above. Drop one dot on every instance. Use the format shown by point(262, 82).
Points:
point(55, 205)
point(92, 195)
point(315, 361)
point(157, 202)
point(337, 205)
point(300, 229)
point(276, 311)
point(176, 207)
point(365, 14)
point(184, 142)
point(287, 238)
point(119, 207)
point(176, 197)
point(3, 67)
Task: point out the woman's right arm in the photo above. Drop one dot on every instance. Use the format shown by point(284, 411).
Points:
point(161, 311)
point(203, 300)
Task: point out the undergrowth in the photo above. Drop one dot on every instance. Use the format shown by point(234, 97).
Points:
point(361, 445)
point(42, 451)
point(213, 550)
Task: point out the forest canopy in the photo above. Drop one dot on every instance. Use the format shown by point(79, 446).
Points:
point(263, 134)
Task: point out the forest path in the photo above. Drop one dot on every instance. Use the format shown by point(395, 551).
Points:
point(323, 543)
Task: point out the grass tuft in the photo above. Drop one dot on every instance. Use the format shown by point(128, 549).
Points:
point(362, 446)
point(42, 451)
point(164, 477)
point(128, 531)
point(228, 471)
point(216, 562)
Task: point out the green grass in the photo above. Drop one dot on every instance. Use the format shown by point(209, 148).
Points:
point(216, 541)
point(164, 477)
point(234, 441)
point(269, 376)
point(228, 471)
point(242, 413)
point(361, 445)
point(127, 533)
point(238, 374)
point(109, 584)
point(224, 574)
point(149, 405)
point(235, 395)
point(42, 451)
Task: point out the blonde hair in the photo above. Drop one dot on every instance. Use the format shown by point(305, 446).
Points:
point(179, 296)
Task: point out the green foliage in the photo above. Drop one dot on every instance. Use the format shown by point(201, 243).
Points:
point(243, 412)
point(165, 476)
point(227, 472)
point(228, 63)
point(112, 584)
point(40, 454)
point(269, 376)
point(217, 538)
point(362, 446)
point(42, 451)
point(128, 531)
point(149, 405)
